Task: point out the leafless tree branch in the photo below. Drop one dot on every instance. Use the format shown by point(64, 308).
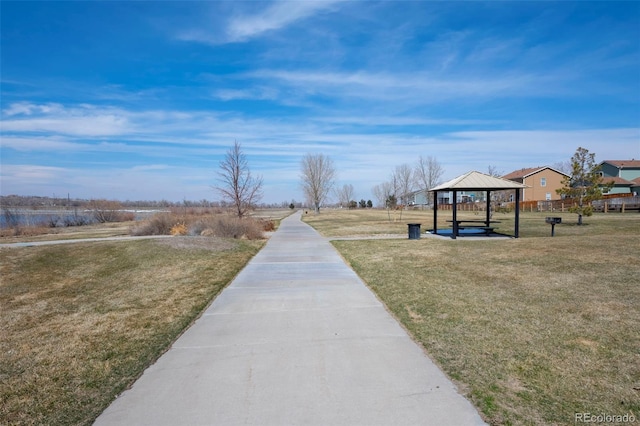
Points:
point(318, 176)
point(237, 185)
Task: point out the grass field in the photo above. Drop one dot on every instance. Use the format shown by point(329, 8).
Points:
point(533, 330)
point(80, 322)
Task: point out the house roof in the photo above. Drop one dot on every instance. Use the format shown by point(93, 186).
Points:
point(476, 181)
point(623, 163)
point(523, 173)
point(617, 180)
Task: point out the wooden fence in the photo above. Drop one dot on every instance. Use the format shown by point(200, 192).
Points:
point(617, 204)
point(625, 203)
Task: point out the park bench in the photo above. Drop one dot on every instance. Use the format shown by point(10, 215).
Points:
point(487, 229)
point(475, 224)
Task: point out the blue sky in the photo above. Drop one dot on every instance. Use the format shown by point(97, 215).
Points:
point(140, 100)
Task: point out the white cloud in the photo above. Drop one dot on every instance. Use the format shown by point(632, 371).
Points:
point(43, 144)
point(28, 108)
point(623, 142)
point(245, 26)
point(154, 182)
point(29, 174)
point(417, 88)
point(256, 93)
point(83, 120)
point(280, 14)
point(79, 126)
point(149, 167)
point(386, 120)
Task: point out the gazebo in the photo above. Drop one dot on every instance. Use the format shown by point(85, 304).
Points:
point(476, 181)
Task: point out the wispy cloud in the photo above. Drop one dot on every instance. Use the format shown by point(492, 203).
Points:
point(255, 93)
point(29, 174)
point(28, 108)
point(245, 26)
point(280, 14)
point(57, 144)
point(417, 88)
point(82, 120)
point(154, 182)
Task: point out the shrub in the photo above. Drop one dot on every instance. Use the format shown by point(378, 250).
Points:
point(25, 231)
point(178, 229)
point(268, 225)
point(158, 224)
point(126, 216)
point(76, 220)
point(105, 211)
point(228, 227)
point(219, 225)
point(199, 227)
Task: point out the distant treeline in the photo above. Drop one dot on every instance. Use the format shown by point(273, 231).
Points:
point(37, 202)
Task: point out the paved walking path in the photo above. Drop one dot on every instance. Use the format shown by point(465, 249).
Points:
point(80, 240)
point(296, 339)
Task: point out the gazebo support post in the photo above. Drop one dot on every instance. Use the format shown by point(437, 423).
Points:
point(488, 208)
point(517, 225)
point(455, 215)
point(435, 212)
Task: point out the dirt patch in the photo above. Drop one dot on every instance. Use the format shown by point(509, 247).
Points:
point(198, 243)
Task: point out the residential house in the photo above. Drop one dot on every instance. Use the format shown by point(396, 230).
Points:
point(423, 198)
point(625, 175)
point(542, 182)
point(418, 198)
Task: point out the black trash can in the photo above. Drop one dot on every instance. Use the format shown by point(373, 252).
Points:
point(414, 231)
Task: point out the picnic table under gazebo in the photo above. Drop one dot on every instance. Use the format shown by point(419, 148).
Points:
point(475, 181)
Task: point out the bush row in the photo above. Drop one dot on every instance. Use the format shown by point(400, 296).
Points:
point(217, 225)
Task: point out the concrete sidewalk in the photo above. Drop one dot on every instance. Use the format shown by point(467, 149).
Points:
point(296, 339)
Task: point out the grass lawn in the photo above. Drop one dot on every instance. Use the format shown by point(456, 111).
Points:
point(80, 322)
point(533, 329)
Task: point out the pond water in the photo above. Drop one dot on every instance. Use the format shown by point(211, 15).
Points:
point(57, 218)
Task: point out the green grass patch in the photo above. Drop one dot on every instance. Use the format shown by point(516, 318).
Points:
point(534, 329)
point(80, 322)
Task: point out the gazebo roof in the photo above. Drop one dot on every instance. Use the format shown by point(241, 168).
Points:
point(476, 181)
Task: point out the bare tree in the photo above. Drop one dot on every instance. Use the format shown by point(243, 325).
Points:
point(496, 196)
point(403, 181)
point(385, 194)
point(344, 194)
point(105, 211)
point(382, 193)
point(237, 185)
point(318, 176)
point(493, 171)
point(427, 174)
point(563, 166)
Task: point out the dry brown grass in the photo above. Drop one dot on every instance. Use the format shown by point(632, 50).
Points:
point(535, 329)
point(366, 222)
point(118, 229)
point(79, 322)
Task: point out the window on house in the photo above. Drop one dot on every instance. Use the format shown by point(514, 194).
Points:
point(548, 196)
point(543, 181)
